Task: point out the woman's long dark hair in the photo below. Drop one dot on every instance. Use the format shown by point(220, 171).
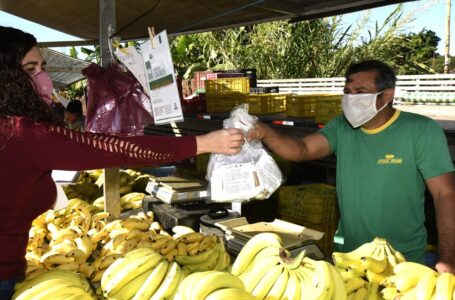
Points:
point(17, 94)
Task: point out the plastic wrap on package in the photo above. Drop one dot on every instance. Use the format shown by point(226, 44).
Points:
point(115, 102)
point(250, 174)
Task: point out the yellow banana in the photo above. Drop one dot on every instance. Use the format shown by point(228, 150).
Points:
point(108, 260)
point(169, 284)
point(191, 237)
point(323, 282)
point(411, 267)
point(77, 254)
point(72, 266)
point(360, 294)
point(213, 280)
point(131, 288)
point(86, 269)
point(373, 291)
point(339, 288)
point(209, 264)
point(265, 284)
point(426, 286)
point(195, 259)
point(171, 255)
point(85, 244)
point(278, 288)
point(51, 258)
point(444, 286)
point(354, 284)
point(252, 247)
point(181, 248)
point(168, 247)
point(46, 289)
point(230, 294)
point(374, 265)
point(293, 288)
point(405, 281)
point(153, 281)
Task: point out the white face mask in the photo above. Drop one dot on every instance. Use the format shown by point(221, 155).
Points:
point(360, 108)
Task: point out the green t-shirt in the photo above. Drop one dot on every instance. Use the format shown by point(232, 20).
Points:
point(380, 179)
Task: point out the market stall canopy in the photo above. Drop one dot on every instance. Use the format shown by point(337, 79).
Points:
point(64, 69)
point(80, 18)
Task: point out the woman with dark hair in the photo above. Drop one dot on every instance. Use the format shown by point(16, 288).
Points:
point(33, 142)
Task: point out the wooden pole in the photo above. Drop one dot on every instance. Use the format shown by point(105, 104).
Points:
point(111, 176)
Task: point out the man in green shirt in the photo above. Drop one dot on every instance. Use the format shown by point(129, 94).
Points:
point(384, 160)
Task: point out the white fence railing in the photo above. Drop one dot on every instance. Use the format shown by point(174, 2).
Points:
point(415, 88)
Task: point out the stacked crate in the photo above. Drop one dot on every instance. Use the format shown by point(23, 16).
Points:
point(321, 107)
point(313, 206)
point(266, 103)
point(327, 108)
point(224, 94)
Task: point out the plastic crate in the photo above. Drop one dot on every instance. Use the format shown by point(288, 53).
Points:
point(223, 103)
point(213, 76)
point(327, 107)
point(199, 81)
point(329, 229)
point(311, 203)
point(266, 103)
point(301, 106)
point(227, 86)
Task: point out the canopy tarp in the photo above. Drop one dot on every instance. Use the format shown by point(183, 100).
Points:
point(81, 18)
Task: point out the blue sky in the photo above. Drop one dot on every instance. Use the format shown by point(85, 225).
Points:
point(430, 15)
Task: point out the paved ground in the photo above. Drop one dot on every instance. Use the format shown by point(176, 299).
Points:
point(444, 115)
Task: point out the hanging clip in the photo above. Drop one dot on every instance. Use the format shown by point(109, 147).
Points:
point(115, 41)
point(151, 31)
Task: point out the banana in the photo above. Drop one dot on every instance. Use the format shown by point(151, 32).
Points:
point(158, 244)
point(85, 244)
point(206, 243)
point(261, 263)
point(195, 259)
point(72, 266)
point(130, 271)
point(79, 296)
point(390, 257)
point(170, 282)
point(77, 254)
point(181, 248)
point(100, 216)
point(292, 263)
point(305, 276)
point(133, 234)
point(224, 261)
point(119, 264)
point(339, 288)
point(86, 269)
point(51, 258)
point(354, 284)
point(108, 260)
point(411, 267)
point(405, 281)
point(360, 294)
point(363, 250)
point(47, 289)
point(374, 265)
point(131, 288)
point(322, 278)
point(153, 281)
point(192, 248)
point(345, 261)
point(171, 255)
point(191, 237)
point(444, 286)
point(426, 286)
point(229, 294)
point(389, 293)
point(181, 230)
point(186, 286)
point(252, 247)
point(278, 288)
point(209, 264)
point(48, 276)
point(131, 224)
point(98, 275)
point(168, 247)
point(373, 291)
point(35, 273)
point(213, 280)
point(266, 282)
point(293, 288)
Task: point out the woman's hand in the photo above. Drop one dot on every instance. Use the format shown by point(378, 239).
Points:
point(225, 141)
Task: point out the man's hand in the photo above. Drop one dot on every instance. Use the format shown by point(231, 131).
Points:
point(442, 267)
point(258, 132)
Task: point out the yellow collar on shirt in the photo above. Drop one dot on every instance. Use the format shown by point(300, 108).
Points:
point(383, 126)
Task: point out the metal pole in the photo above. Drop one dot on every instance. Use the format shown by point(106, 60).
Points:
point(111, 176)
point(447, 44)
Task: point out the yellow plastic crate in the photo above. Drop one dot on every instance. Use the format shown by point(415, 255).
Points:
point(327, 107)
point(227, 86)
point(301, 106)
point(223, 103)
point(266, 103)
point(311, 203)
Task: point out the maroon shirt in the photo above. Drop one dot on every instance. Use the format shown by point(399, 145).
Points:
point(30, 150)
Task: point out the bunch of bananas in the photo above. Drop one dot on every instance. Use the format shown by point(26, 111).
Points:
point(197, 253)
point(358, 288)
point(84, 191)
point(131, 200)
point(268, 272)
point(55, 284)
point(416, 281)
point(141, 274)
point(212, 285)
point(374, 261)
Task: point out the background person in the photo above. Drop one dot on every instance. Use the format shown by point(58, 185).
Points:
point(384, 160)
point(73, 116)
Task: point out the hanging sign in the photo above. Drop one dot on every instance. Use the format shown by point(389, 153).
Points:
point(161, 83)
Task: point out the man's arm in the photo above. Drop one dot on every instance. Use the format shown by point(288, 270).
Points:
point(442, 189)
point(310, 147)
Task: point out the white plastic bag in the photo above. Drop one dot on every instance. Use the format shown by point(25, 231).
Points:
point(250, 174)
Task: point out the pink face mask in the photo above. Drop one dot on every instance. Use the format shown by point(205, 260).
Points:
point(43, 83)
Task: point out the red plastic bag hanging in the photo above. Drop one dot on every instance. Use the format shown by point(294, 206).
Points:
point(116, 103)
